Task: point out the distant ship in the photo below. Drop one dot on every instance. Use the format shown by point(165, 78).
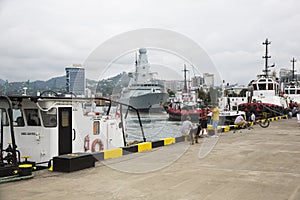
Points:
point(144, 92)
point(292, 89)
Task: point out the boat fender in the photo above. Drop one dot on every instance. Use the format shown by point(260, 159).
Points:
point(99, 142)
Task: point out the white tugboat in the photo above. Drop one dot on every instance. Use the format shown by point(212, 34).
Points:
point(265, 95)
point(292, 90)
point(44, 127)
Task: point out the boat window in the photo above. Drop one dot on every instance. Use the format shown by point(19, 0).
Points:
point(49, 117)
point(18, 119)
point(254, 87)
point(292, 91)
point(96, 128)
point(298, 91)
point(65, 119)
point(4, 118)
point(286, 91)
point(262, 86)
point(32, 117)
point(270, 86)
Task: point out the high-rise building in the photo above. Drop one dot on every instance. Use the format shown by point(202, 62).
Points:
point(197, 81)
point(75, 79)
point(209, 79)
point(174, 85)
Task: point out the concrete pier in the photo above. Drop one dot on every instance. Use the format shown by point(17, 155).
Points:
point(262, 163)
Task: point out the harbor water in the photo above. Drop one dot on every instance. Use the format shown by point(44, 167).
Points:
point(155, 125)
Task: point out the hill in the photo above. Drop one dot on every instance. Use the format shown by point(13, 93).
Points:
point(58, 84)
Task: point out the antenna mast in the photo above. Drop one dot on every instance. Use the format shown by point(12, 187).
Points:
point(293, 68)
point(185, 84)
point(266, 57)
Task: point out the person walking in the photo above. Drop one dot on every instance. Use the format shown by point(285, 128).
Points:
point(215, 118)
point(202, 125)
point(187, 129)
point(198, 129)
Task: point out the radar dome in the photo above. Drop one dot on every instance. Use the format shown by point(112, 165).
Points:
point(143, 50)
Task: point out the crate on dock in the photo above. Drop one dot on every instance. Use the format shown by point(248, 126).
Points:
point(73, 162)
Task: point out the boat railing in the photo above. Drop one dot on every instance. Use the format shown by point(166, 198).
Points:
point(12, 148)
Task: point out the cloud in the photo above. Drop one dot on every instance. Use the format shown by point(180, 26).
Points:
point(49, 35)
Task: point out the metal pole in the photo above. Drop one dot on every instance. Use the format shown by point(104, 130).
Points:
point(293, 68)
point(123, 132)
point(138, 114)
point(266, 57)
point(12, 133)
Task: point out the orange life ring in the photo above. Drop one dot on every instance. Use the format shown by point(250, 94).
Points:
point(95, 142)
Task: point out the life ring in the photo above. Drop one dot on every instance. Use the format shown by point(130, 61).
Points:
point(99, 142)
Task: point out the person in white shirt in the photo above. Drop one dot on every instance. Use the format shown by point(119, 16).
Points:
point(187, 129)
point(240, 121)
point(298, 113)
point(252, 118)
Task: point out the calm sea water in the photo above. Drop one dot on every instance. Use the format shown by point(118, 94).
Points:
point(156, 126)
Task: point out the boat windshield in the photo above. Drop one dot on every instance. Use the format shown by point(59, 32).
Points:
point(49, 117)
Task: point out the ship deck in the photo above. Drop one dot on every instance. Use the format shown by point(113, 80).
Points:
point(261, 163)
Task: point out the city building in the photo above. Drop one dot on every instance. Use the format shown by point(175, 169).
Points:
point(286, 75)
point(197, 81)
point(209, 79)
point(75, 79)
point(174, 85)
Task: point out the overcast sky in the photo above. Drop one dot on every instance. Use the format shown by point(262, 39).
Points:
point(39, 38)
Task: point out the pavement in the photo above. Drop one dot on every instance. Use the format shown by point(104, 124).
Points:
point(261, 163)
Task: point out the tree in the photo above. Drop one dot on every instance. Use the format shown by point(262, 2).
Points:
point(202, 95)
point(171, 93)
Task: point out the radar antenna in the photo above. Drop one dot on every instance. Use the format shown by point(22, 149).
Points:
point(266, 57)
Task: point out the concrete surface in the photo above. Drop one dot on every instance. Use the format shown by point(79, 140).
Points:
point(255, 164)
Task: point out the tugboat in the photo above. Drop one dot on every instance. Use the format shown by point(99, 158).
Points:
point(184, 104)
point(292, 90)
point(228, 104)
point(42, 127)
point(265, 95)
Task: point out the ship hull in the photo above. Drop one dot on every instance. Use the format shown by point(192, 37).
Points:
point(150, 102)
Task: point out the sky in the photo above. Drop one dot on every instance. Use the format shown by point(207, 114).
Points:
point(38, 39)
